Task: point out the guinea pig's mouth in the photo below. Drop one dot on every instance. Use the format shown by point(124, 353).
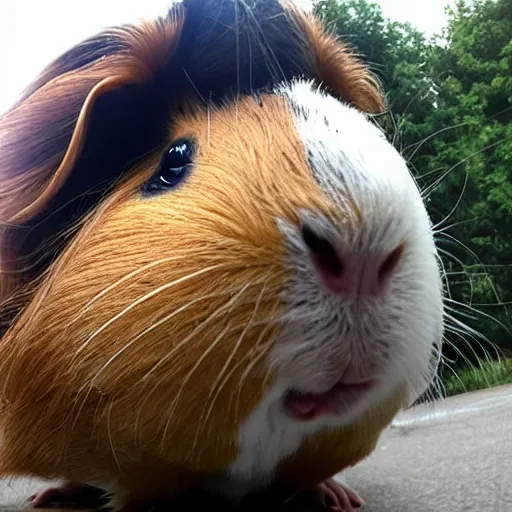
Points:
point(333, 402)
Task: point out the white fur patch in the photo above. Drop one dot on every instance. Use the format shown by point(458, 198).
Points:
point(353, 164)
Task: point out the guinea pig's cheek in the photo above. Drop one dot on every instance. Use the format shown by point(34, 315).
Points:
point(163, 312)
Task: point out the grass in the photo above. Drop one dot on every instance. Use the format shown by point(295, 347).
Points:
point(487, 375)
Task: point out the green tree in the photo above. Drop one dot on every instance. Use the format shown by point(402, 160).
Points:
point(471, 65)
point(450, 101)
point(396, 52)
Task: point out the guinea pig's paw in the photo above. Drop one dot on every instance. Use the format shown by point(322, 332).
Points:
point(68, 494)
point(335, 496)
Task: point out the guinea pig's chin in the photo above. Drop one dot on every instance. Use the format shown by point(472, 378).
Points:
point(336, 379)
point(340, 402)
point(321, 397)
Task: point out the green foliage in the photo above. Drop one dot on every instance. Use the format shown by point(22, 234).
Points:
point(451, 105)
point(394, 51)
point(487, 375)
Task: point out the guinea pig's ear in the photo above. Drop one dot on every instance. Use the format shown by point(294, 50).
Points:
point(337, 67)
point(87, 116)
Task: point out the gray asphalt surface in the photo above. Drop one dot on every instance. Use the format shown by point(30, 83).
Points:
point(453, 456)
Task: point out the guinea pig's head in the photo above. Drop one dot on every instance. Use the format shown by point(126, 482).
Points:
point(206, 200)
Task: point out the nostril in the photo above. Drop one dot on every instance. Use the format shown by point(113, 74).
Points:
point(390, 263)
point(323, 252)
point(353, 273)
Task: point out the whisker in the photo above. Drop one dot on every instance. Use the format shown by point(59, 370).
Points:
point(190, 336)
point(250, 356)
point(183, 342)
point(255, 359)
point(126, 277)
point(420, 144)
point(237, 50)
point(469, 364)
point(455, 347)
point(428, 190)
point(144, 298)
point(233, 352)
point(454, 225)
point(451, 256)
point(204, 355)
point(168, 317)
point(468, 341)
point(476, 311)
point(198, 92)
point(202, 422)
point(109, 433)
point(456, 375)
point(444, 273)
point(472, 253)
point(447, 128)
point(477, 337)
point(439, 387)
point(457, 203)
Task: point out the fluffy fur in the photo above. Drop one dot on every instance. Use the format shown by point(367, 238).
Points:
point(149, 340)
point(374, 206)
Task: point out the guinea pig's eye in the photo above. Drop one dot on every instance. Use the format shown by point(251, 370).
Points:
point(173, 168)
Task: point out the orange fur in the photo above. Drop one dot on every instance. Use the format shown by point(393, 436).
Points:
point(337, 67)
point(234, 253)
point(146, 337)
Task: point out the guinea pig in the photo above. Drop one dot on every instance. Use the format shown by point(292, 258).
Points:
point(217, 272)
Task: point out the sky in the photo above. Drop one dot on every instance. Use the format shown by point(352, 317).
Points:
point(34, 32)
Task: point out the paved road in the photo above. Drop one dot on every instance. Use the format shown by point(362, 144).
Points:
point(454, 456)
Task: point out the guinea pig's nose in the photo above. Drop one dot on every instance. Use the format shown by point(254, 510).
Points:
point(352, 275)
